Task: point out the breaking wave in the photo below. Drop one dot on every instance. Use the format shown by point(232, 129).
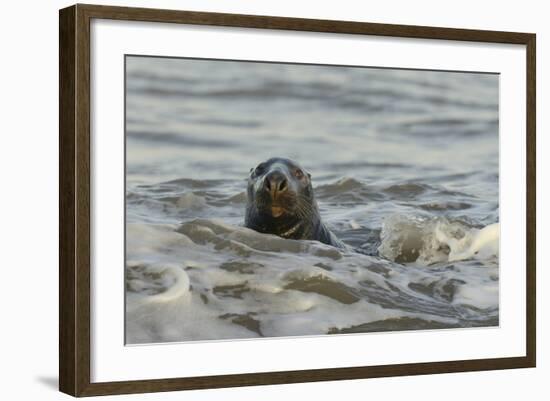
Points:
point(206, 279)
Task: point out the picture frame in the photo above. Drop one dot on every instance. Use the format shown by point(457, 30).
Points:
point(76, 208)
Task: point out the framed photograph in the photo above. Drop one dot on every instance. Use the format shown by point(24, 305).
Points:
point(250, 200)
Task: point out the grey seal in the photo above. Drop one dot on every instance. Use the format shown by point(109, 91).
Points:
point(280, 201)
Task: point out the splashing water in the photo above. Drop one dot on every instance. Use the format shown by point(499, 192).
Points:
point(426, 241)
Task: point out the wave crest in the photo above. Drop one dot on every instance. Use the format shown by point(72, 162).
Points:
point(425, 241)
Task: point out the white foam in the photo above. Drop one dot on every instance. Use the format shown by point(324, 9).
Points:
point(221, 281)
point(483, 244)
point(426, 241)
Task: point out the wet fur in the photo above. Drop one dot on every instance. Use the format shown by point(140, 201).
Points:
point(301, 219)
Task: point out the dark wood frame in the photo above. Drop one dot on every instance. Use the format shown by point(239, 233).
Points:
point(74, 199)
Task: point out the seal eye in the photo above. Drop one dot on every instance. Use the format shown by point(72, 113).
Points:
point(260, 169)
point(299, 174)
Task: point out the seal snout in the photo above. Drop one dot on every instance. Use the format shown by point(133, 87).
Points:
point(275, 183)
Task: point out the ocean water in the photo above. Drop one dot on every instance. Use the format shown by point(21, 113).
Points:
point(405, 167)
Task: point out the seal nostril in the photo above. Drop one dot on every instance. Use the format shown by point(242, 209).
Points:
point(282, 185)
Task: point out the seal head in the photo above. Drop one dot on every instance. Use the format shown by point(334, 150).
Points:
point(280, 201)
